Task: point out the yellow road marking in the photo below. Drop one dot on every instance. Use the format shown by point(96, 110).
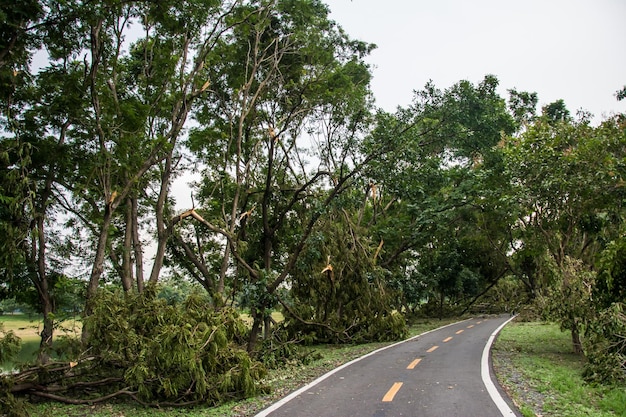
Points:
point(392, 392)
point(460, 331)
point(447, 339)
point(478, 322)
point(470, 326)
point(413, 364)
point(432, 349)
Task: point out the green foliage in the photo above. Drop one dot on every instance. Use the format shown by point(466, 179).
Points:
point(523, 106)
point(606, 346)
point(157, 353)
point(13, 407)
point(278, 354)
point(569, 300)
point(506, 295)
point(612, 273)
point(567, 178)
point(15, 206)
point(174, 353)
point(338, 294)
point(440, 180)
point(9, 345)
point(9, 348)
point(556, 112)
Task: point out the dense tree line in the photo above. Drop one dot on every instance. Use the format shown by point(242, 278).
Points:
point(309, 200)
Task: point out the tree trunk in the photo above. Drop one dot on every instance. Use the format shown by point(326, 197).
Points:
point(441, 305)
point(267, 326)
point(576, 342)
point(223, 270)
point(256, 329)
point(127, 274)
point(137, 248)
point(162, 230)
point(46, 334)
point(44, 292)
point(98, 267)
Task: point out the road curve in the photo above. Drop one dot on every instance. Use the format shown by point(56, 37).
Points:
point(442, 373)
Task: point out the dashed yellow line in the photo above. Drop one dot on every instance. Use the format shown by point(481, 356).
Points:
point(432, 349)
point(470, 326)
point(413, 364)
point(392, 392)
point(460, 331)
point(447, 339)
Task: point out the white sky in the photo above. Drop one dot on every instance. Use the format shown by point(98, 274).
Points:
point(573, 50)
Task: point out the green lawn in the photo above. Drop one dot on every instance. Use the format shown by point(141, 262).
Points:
point(27, 328)
point(535, 363)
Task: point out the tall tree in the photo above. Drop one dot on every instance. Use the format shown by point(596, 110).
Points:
point(288, 76)
point(567, 179)
point(36, 118)
point(438, 182)
point(101, 124)
point(134, 98)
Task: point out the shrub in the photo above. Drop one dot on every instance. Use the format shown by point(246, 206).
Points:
point(187, 352)
point(605, 346)
point(156, 353)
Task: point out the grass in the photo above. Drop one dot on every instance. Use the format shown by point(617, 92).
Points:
point(28, 328)
point(535, 364)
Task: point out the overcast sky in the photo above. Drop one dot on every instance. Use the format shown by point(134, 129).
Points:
point(573, 50)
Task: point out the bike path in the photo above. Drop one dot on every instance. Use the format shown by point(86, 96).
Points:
point(436, 374)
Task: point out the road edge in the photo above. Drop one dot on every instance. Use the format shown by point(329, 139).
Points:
point(485, 372)
point(265, 412)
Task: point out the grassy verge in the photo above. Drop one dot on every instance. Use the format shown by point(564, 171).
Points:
point(535, 364)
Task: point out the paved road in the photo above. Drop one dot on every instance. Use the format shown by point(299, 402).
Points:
point(437, 374)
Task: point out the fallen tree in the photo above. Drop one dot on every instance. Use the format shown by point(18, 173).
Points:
point(155, 353)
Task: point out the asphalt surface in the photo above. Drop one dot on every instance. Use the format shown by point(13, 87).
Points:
point(437, 374)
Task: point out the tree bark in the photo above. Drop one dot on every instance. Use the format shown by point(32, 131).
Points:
point(137, 247)
point(127, 274)
point(45, 298)
point(576, 342)
point(162, 230)
point(97, 268)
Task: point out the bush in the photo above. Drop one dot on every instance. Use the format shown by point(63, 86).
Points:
point(156, 353)
point(9, 345)
point(179, 353)
point(605, 346)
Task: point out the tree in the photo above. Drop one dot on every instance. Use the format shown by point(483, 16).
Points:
point(567, 183)
point(338, 293)
point(147, 104)
point(290, 75)
point(522, 106)
point(438, 184)
point(556, 112)
point(99, 126)
point(113, 120)
point(35, 131)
